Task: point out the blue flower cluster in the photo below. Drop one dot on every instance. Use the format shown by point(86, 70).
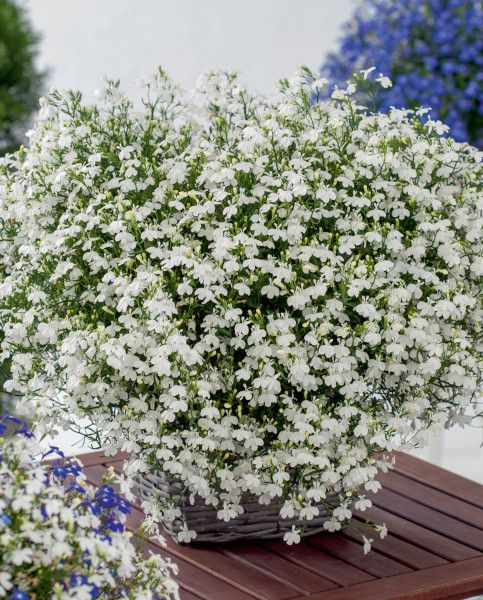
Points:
point(105, 502)
point(76, 567)
point(19, 427)
point(431, 49)
point(17, 594)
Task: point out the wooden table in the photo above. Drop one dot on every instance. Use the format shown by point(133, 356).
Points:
point(434, 549)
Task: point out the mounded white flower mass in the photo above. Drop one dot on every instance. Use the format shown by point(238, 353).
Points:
point(255, 295)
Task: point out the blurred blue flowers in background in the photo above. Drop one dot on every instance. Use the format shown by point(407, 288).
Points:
point(431, 49)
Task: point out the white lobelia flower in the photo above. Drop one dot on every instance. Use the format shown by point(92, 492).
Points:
point(292, 537)
point(186, 535)
point(367, 544)
point(384, 81)
point(382, 529)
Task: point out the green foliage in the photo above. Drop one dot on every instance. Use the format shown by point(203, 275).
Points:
point(20, 80)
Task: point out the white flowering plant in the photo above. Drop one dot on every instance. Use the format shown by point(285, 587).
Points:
point(63, 539)
point(254, 295)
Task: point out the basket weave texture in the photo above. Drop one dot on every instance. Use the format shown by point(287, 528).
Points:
point(259, 521)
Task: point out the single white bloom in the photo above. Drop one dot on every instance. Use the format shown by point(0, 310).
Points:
point(292, 537)
point(367, 544)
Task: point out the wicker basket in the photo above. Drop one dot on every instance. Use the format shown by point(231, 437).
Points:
point(259, 521)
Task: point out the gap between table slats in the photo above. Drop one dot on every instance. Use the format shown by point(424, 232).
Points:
point(402, 551)
point(349, 551)
point(306, 582)
point(454, 581)
point(434, 476)
point(433, 498)
point(416, 512)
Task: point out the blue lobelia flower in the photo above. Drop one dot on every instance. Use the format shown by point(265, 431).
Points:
point(431, 49)
point(107, 498)
point(17, 594)
point(5, 419)
point(77, 579)
point(63, 468)
point(53, 450)
point(6, 519)
point(113, 524)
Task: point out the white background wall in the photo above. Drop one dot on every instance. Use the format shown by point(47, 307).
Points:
point(264, 39)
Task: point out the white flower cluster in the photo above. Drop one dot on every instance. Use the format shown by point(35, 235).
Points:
point(64, 540)
point(254, 295)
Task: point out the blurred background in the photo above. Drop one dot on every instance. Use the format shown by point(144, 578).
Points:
point(432, 49)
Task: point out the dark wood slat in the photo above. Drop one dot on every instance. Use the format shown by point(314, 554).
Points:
point(419, 536)
point(117, 465)
point(457, 580)
point(349, 551)
point(402, 551)
point(431, 519)
point(256, 552)
point(246, 576)
point(99, 458)
point(439, 478)
point(319, 562)
point(95, 473)
point(429, 496)
point(185, 595)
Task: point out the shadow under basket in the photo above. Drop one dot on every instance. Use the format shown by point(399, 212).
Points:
point(258, 522)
